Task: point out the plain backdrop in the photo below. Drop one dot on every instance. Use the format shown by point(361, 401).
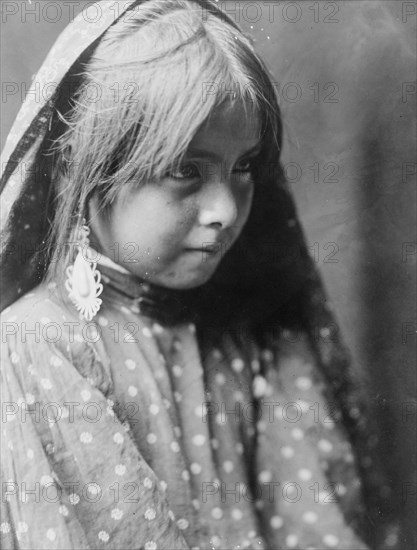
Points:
point(345, 73)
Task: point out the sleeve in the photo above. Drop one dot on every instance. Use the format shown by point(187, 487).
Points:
point(72, 478)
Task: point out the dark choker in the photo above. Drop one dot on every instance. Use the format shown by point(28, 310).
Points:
point(168, 306)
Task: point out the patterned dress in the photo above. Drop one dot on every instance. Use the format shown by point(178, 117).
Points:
point(124, 433)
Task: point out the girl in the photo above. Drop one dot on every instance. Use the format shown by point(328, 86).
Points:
point(171, 369)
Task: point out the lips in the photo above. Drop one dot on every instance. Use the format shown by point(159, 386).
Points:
point(208, 248)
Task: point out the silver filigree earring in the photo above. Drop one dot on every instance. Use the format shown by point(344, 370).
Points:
point(83, 279)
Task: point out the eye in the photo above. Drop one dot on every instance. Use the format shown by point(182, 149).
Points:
point(184, 172)
point(247, 167)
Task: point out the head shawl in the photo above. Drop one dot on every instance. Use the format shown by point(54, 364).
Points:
point(287, 290)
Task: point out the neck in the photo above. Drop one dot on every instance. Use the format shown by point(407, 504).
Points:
point(166, 305)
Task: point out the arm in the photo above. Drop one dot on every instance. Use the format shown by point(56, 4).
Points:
point(72, 476)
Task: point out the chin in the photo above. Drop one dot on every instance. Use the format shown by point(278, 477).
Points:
point(186, 281)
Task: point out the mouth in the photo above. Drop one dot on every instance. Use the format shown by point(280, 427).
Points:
point(208, 251)
point(212, 248)
point(203, 251)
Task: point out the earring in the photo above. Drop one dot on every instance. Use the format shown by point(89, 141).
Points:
point(83, 279)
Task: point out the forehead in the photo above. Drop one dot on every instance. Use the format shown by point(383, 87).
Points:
point(233, 127)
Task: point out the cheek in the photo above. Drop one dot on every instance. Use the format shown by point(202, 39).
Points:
point(174, 226)
point(153, 221)
point(245, 200)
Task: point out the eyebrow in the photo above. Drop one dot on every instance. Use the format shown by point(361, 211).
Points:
point(193, 151)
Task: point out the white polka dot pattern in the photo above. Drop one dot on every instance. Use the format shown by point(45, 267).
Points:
point(165, 428)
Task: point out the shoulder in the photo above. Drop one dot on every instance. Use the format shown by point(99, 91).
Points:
point(43, 341)
point(38, 316)
point(42, 299)
point(41, 324)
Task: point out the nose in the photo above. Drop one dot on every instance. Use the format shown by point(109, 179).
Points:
point(218, 205)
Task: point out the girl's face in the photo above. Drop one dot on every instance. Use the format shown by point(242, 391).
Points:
point(174, 231)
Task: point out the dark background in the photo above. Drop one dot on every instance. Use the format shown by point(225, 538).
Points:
point(346, 78)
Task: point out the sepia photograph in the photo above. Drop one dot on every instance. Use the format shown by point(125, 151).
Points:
point(208, 275)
